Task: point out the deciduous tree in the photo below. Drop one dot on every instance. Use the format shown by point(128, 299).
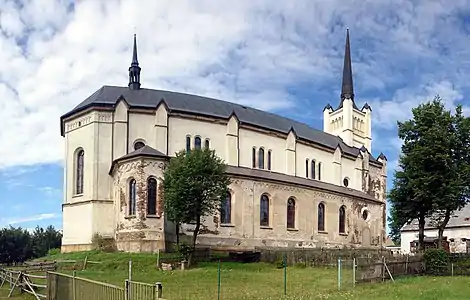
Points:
point(194, 185)
point(433, 175)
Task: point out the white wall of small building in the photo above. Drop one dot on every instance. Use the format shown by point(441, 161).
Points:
point(455, 233)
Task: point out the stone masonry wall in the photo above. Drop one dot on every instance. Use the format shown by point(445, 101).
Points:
point(139, 233)
point(245, 231)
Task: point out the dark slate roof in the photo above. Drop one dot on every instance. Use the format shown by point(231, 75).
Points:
point(108, 96)
point(145, 151)
point(459, 218)
point(294, 180)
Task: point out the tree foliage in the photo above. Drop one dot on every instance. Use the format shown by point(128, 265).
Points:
point(433, 171)
point(18, 245)
point(195, 184)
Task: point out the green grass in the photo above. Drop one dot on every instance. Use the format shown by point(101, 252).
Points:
point(259, 281)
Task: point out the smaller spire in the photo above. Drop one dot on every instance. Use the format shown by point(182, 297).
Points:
point(134, 69)
point(135, 62)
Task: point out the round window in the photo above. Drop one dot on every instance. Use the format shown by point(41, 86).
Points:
point(138, 145)
point(345, 182)
point(365, 214)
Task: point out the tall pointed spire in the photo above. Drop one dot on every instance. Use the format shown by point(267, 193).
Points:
point(134, 69)
point(347, 87)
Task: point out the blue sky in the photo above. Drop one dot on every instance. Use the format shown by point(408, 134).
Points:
point(281, 56)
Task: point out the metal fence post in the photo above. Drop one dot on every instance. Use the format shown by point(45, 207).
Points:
point(285, 273)
point(452, 269)
point(354, 272)
point(74, 287)
point(126, 289)
point(159, 288)
point(339, 273)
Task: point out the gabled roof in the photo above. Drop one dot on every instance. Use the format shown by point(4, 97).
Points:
point(108, 96)
point(145, 151)
point(294, 180)
point(458, 219)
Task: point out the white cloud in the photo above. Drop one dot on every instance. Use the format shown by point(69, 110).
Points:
point(252, 52)
point(387, 113)
point(20, 220)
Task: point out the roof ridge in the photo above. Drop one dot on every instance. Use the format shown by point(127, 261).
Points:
point(329, 140)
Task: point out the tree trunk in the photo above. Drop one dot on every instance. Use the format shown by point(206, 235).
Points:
point(441, 227)
point(422, 223)
point(196, 231)
point(177, 230)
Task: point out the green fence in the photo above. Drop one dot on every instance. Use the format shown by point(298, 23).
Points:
point(67, 287)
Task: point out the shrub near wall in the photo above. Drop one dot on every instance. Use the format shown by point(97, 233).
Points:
point(436, 261)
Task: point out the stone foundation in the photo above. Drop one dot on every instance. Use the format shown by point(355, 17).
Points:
point(76, 248)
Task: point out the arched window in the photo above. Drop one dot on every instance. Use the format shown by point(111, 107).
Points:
point(138, 145)
point(313, 169)
point(197, 142)
point(264, 211)
point(253, 158)
point(80, 161)
point(132, 197)
point(269, 160)
point(261, 158)
point(188, 144)
point(151, 196)
point(226, 210)
point(291, 213)
point(319, 170)
point(207, 143)
point(321, 217)
point(306, 168)
point(342, 219)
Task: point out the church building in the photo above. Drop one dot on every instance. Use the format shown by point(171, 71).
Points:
point(292, 185)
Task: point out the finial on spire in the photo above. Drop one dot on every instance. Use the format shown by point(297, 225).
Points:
point(134, 69)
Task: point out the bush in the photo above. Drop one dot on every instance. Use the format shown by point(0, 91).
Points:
point(436, 261)
point(101, 243)
point(55, 251)
point(184, 250)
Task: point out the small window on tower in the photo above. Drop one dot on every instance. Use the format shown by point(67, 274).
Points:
point(138, 145)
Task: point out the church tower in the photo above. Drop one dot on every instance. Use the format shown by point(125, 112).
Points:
point(347, 121)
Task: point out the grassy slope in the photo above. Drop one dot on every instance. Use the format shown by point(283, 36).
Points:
point(260, 281)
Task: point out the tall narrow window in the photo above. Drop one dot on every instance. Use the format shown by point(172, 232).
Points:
point(197, 142)
point(290, 213)
point(226, 210)
point(342, 219)
point(188, 144)
point(206, 144)
point(132, 197)
point(79, 175)
point(313, 169)
point(261, 158)
point(306, 168)
point(264, 211)
point(151, 196)
point(321, 217)
point(253, 157)
point(269, 160)
point(319, 170)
